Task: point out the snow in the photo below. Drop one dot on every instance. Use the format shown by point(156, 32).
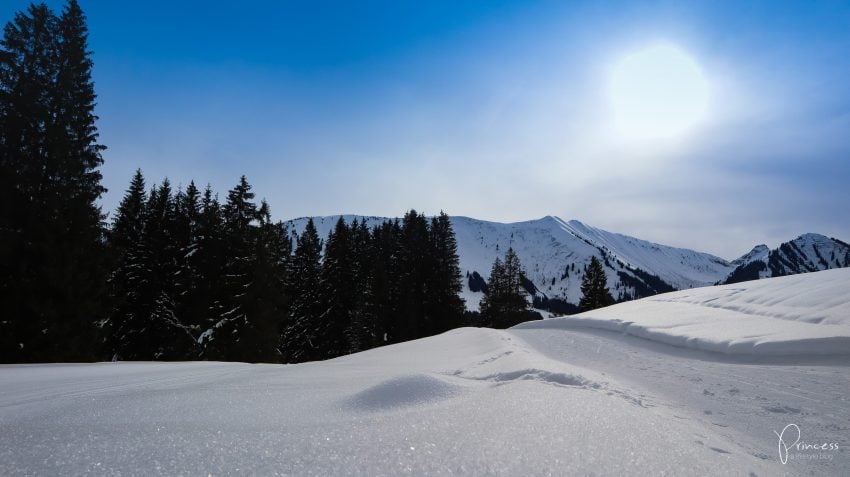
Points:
point(547, 247)
point(759, 252)
point(798, 314)
point(471, 401)
point(806, 253)
point(682, 268)
point(560, 399)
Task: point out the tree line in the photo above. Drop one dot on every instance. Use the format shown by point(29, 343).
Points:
point(199, 279)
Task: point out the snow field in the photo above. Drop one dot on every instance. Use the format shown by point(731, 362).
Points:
point(806, 314)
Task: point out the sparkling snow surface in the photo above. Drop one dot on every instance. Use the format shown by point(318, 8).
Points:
point(528, 401)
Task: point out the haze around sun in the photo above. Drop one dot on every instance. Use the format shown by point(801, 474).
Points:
point(657, 92)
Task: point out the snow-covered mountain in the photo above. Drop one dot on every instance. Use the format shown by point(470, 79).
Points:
point(806, 253)
point(554, 253)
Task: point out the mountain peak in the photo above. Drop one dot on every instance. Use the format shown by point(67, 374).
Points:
point(812, 238)
point(758, 253)
point(809, 252)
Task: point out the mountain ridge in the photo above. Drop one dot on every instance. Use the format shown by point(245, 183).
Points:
point(554, 253)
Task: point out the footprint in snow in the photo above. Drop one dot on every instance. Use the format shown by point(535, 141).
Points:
point(719, 450)
point(715, 449)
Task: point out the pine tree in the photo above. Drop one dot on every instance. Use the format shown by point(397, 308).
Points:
point(147, 325)
point(594, 287)
point(382, 296)
point(186, 276)
point(300, 338)
point(362, 331)
point(266, 300)
point(125, 241)
point(203, 305)
point(444, 306)
point(127, 226)
point(504, 304)
point(338, 293)
point(52, 233)
point(167, 337)
point(225, 340)
point(414, 265)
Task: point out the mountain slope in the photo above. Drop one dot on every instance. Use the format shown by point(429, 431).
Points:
point(554, 253)
point(806, 253)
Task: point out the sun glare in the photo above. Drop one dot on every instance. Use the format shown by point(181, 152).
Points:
point(658, 92)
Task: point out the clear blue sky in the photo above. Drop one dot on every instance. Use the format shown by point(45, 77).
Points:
point(496, 110)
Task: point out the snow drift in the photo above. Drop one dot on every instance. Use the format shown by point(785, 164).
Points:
point(793, 315)
point(468, 402)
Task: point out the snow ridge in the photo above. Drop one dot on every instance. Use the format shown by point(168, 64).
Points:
point(805, 314)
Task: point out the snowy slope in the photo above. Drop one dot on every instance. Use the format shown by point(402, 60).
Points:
point(681, 268)
point(799, 314)
point(759, 252)
point(526, 401)
point(806, 253)
point(470, 402)
point(554, 254)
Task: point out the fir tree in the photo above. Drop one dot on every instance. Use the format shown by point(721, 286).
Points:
point(504, 304)
point(127, 226)
point(53, 275)
point(339, 294)
point(594, 287)
point(186, 276)
point(225, 339)
point(362, 331)
point(147, 325)
point(265, 298)
point(383, 287)
point(299, 341)
point(125, 240)
point(203, 303)
point(414, 265)
point(444, 306)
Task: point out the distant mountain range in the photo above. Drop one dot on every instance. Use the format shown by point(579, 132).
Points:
point(554, 253)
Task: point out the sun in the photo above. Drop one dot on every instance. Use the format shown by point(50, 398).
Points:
point(658, 92)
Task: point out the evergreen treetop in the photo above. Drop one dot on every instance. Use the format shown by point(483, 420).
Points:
point(594, 287)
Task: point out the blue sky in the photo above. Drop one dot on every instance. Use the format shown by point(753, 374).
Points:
point(496, 110)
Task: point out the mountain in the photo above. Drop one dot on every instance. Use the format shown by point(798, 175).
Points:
point(554, 253)
point(806, 253)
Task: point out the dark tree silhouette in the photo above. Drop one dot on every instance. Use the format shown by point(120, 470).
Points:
point(52, 277)
point(594, 287)
point(505, 304)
